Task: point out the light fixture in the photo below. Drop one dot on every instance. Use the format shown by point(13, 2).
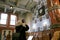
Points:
point(11, 7)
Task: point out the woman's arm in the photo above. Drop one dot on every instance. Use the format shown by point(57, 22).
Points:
point(26, 28)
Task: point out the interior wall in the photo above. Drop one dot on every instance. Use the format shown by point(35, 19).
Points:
point(28, 18)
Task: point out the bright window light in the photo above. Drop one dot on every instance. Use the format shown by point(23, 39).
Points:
point(12, 20)
point(3, 19)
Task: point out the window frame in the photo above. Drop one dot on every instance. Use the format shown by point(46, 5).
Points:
point(15, 20)
point(6, 20)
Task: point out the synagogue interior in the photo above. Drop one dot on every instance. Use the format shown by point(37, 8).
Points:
point(42, 17)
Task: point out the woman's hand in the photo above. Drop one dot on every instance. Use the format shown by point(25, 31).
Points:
point(18, 23)
point(24, 24)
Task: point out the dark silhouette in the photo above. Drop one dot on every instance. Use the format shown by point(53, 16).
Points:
point(21, 29)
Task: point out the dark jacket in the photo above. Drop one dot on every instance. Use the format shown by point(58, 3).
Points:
point(21, 29)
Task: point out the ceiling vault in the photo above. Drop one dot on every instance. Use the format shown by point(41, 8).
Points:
point(19, 5)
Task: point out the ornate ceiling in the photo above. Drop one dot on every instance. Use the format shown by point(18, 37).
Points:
point(18, 5)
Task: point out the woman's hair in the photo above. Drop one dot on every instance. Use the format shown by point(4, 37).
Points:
point(23, 21)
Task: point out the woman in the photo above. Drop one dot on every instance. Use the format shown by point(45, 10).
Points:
point(21, 27)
